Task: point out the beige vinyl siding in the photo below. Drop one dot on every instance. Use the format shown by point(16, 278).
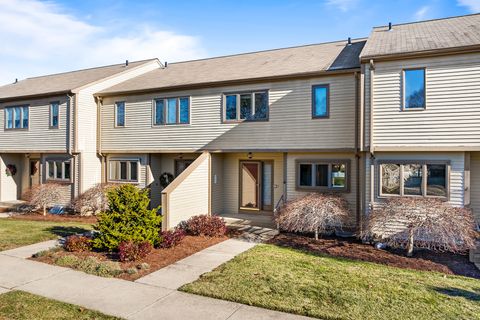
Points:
point(350, 196)
point(290, 124)
point(191, 196)
point(231, 176)
point(87, 123)
point(475, 184)
point(452, 114)
point(38, 137)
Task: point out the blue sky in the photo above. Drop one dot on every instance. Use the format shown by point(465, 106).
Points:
point(41, 37)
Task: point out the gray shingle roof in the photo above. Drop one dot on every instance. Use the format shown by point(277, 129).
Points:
point(421, 36)
point(248, 66)
point(62, 82)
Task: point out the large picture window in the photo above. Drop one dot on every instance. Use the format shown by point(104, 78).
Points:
point(322, 174)
point(123, 170)
point(414, 89)
point(425, 179)
point(245, 106)
point(16, 117)
point(60, 170)
point(171, 111)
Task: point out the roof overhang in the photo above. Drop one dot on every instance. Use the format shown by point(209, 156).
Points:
point(35, 96)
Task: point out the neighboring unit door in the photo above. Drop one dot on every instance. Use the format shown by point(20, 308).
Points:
point(181, 165)
point(256, 180)
point(34, 172)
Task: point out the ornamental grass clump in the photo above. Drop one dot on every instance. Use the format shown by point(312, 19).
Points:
point(427, 223)
point(314, 213)
point(127, 219)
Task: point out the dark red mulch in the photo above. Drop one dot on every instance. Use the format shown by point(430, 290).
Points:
point(447, 263)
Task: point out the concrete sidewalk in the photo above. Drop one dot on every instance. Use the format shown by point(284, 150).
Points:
point(153, 297)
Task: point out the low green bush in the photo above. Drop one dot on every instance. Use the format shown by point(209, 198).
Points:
point(127, 219)
point(90, 265)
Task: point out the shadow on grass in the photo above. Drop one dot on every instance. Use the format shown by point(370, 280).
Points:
point(456, 292)
point(66, 231)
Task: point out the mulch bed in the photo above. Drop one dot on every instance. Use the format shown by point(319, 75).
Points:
point(425, 260)
point(157, 259)
point(55, 218)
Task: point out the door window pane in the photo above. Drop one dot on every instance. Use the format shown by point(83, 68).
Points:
point(159, 109)
point(321, 175)
point(120, 121)
point(306, 175)
point(320, 101)
point(245, 106)
point(250, 182)
point(231, 107)
point(412, 179)
point(437, 180)
point(338, 176)
point(24, 117)
point(390, 178)
point(9, 118)
point(172, 111)
point(261, 105)
point(184, 110)
point(267, 184)
point(414, 88)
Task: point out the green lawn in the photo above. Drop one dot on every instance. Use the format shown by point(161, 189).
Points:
point(333, 288)
point(23, 305)
point(17, 233)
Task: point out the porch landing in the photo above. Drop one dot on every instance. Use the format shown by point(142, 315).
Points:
point(258, 227)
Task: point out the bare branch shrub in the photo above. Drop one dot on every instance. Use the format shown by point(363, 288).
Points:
point(314, 212)
point(428, 223)
point(43, 196)
point(92, 201)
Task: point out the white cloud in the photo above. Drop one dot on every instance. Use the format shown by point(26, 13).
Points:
point(39, 37)
point(422, 13)
point(343, 5)
point(472, 5)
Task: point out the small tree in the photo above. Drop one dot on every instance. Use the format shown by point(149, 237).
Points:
point(425, 222)
point(315, 213)
point(93, 201)
point(127, 219)
point(43, 196)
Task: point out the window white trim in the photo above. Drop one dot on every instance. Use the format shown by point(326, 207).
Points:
point(65, 167)
point(404, 85)
point(115, 170)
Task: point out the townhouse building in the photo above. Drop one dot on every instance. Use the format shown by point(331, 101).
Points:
point(396, 114)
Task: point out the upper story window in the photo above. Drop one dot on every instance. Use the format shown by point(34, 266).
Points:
point(246, 106)
point(414, 179)
point(120, 114)
point(16, 117)
point(124, 170)
point(54, 115)
point(171, 111)
point(320, 101)
point(59, 170)
point(414, 89)
point(322, 175)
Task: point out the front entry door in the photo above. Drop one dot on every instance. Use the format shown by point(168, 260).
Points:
point(256, 185)
point(34, 172)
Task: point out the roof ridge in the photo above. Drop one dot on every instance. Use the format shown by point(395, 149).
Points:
point(429, 20)
point(85, 69)
point(267, 50)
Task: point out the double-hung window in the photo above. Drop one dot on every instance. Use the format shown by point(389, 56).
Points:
point(124, 170)
point(120, 114)
point(320, 101)
point(245, 106)
point(171, 111)
point(16, 117)
point(323, 175)
point(54, 115)
point(60, 170)
point(414, 178)
point(414, 89)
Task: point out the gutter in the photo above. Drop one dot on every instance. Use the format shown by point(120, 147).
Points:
point(34, 96)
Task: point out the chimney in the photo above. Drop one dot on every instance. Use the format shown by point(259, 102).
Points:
point(126, 63)
point(349, 41)
point(389, 26)
point(166, 64)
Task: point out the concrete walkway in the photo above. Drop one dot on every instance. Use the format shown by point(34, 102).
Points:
point(151, 297)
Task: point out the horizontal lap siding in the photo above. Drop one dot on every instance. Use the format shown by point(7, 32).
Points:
point(350, 196)
point(39, 136)
point(290, 122)
point(452, 115)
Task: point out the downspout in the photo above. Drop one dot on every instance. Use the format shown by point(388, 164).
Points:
point(69, 124)
point(357, 153)
point(372, 148)
point(99, 141)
